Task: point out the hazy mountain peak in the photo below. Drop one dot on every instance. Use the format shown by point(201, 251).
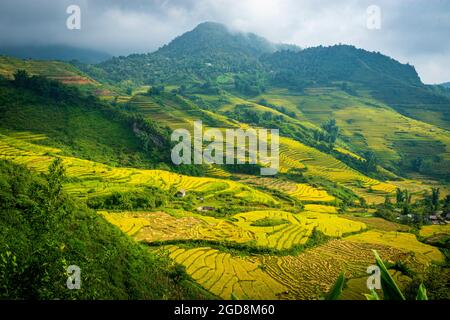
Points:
point(213, 37)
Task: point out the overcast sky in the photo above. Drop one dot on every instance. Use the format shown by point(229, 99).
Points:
point(411, 31)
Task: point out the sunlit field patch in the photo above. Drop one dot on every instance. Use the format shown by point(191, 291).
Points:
point(226, 275)
point(297, 229)
point(402, 241)
point(110, 179)
point(432, 230)
point(312, 273)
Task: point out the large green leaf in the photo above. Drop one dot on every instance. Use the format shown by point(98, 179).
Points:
point(422, 293)
point(336, 290)
point(390, 289)
point(372, 296)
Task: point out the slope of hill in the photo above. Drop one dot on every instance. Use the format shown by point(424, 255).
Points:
point(78, 124)
point(360, 72)
point(55, 70)
point(401, 144)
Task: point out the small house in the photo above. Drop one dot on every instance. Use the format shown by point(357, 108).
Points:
point(181, 193)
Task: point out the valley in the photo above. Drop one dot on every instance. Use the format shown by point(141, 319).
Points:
point(357, 171)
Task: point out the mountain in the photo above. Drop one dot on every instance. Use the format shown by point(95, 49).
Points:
point(445, 84)
point(213, 56)
point(356, 70)
point(324, 65)
point(210, 38)
point(204, 53)
point(55, 52)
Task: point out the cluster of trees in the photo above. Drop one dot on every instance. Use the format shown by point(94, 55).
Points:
point(414, 212)
point(332, 130)
point(246, 113)
point(155, 90)
point(249, 84)
point(45, 87)
point(149, 198)
point(281, 109)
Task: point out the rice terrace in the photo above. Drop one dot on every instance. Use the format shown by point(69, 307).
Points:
point(222, 165)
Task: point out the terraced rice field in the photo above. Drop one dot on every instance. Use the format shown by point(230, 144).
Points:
point(226, 275)
point(107, 179)
point(433, 230)
point(379, 223)
point(297, 228)
point(160, 227)
point(127, 223)
point(414, 138)
point(312, 273)
point(323, 165)
point(300, 191)
point(55, 70)
point(320, 208)
point(243, 228)
point(402, 241)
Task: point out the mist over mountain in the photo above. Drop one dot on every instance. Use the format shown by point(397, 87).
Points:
point(55, 52)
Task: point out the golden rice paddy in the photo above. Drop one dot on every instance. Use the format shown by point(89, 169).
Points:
point(226, 275)
point(402, 241)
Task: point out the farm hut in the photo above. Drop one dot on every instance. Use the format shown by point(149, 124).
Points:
point(181, 193)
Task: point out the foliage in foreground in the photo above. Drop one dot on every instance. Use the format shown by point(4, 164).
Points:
point(390, 289)
point(43, 231)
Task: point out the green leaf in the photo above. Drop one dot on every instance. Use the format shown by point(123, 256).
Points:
point(422, 293)
point(336, 290)
point(390, 289)
point(234, 297)
point(372, 296)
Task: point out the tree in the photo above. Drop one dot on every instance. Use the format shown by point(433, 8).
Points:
point(447, 203)
point(435, 198)
point(387, 201)
point(370, 164)
point(417, 164)
point(155, 90)
point(332, 129)
point(55, 179)
point(21, 78)
point(399, 196)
